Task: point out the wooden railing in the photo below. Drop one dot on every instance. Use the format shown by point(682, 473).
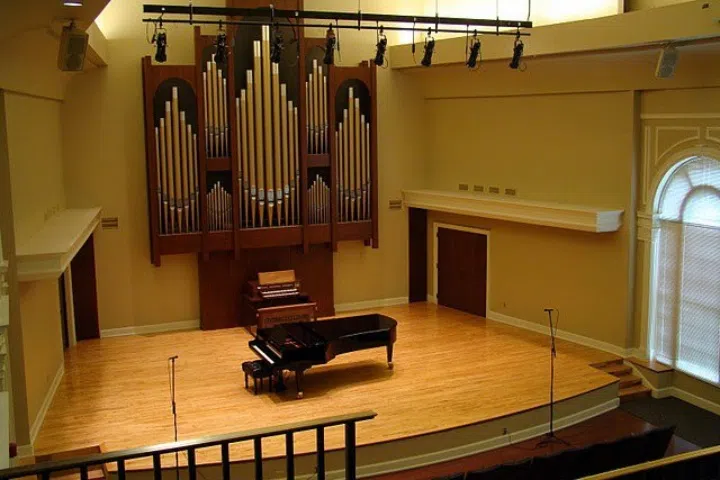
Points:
point(697, 461)
point(189, 447)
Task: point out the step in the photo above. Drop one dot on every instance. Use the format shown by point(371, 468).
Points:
point(629, 380)
point(653, 365)
point(631, 393)
point(601, 365)
point(617, 369)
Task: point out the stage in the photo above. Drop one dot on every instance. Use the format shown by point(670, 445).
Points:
point(459, 380)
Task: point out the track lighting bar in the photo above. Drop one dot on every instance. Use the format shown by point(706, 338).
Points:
point(357, 17)
point(325, 25)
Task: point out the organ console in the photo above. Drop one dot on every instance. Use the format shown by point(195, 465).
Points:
point(275, 298)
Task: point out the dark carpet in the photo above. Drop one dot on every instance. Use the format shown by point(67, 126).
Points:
point(692, 423)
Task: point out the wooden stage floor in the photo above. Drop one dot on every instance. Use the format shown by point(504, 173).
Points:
point(451, 369)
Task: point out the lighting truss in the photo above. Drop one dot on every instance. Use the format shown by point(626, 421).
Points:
point(351, 20)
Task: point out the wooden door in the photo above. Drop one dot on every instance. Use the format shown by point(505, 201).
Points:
point(84, 290)
point(462, 270)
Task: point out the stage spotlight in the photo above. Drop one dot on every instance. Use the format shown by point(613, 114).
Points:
point(474, 52)
point(429, 48)
point(381, 48)
point(221, 48)
point(517, 53)
point(160, 41)
point(277, 46)
point(330, 40)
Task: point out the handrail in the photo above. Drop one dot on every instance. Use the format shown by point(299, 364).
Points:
point(44, 469)
point(656, 464)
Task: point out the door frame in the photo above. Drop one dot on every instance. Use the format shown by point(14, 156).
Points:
point(479, 231)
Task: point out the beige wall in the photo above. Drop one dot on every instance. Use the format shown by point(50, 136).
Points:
point(42, 337)
point(568, 148)
point(35, 173)
point(36, 164)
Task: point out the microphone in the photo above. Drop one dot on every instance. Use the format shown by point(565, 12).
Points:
point(174, 357)
point(548, 310)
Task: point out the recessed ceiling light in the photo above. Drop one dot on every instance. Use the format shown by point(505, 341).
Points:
point(73, 3)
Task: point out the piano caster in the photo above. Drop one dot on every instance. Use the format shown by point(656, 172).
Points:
point(299, 395)
point(391, 365)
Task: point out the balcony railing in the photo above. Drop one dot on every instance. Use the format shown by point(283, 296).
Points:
point(189, 447)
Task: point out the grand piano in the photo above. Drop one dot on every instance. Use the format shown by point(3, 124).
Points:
point(298, 346)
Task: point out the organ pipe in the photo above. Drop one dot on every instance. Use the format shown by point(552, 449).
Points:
point(352, 143)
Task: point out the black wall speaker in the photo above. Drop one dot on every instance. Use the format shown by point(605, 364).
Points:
point(666, 62)
point(73, 46)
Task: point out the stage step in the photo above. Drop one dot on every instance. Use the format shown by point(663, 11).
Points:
point(602, 365)
point(617, 369)
point(627, 381)
point(631, 393)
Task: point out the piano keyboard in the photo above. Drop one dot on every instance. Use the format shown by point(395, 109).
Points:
point(264, 355)
point(279, 293)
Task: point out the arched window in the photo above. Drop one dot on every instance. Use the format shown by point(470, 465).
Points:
point(687, 269)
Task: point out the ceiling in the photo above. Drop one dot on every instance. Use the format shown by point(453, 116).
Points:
point(20, 16)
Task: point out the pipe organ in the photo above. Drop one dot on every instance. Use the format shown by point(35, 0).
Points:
point(257, 165)
point(176, 170)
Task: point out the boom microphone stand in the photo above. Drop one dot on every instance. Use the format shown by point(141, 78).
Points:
point(550, 437)
point(174, 410)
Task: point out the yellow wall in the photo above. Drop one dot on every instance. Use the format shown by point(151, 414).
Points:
point(36, 164)
point(39, 307)
point(573, 148)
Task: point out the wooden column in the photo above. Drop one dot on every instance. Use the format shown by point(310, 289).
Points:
point(417, 261)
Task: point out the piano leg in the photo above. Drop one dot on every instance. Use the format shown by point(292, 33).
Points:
point(298, 383)
point(280, 385)
point(390, 355)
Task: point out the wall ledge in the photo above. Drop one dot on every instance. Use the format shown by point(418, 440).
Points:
point(572, 217)
point(48, 253)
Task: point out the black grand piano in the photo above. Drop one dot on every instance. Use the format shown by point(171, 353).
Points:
point(299, 346)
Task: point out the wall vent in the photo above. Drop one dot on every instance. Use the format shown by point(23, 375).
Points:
point(510, 191)
point(494, 189)
point(109, 223)
point(478, 188)
point(395, 204)
point(463, 187)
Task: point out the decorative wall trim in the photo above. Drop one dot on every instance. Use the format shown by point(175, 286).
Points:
point(687, 397)
point(563, 334)
point(149, 329)
point(646, 163)
point(364, 305)
point(679, 116)
point(24, 451)
point(713, 133)
point(40, 417)
point(645, 224)
point(689, 138)
point(431, 298)
point(454, 453)
point(550, 214)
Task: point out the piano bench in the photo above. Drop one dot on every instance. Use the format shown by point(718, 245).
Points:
point(257, 369)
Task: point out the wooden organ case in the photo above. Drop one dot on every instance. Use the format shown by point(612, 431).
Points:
point(258, 166)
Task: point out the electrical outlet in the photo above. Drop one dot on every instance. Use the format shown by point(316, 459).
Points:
point(478, 188)
point(494, 189)
point(505, 431)
point(463, 187)
point(510, 191)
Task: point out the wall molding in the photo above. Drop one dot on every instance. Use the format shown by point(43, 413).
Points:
point(365, 304)
point(47, 401)
point(687, 397)
point(149, 329)
point(562, 334)
point(678, 116)
point(465, 450)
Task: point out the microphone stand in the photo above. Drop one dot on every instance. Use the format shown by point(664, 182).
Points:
point(550, 438)
point(174, 411)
